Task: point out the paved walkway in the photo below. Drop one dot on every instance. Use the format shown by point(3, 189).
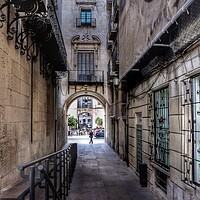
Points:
point(101, 175)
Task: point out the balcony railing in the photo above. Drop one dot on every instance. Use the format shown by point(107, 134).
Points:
point(85, 22)
point(115, 58)
point(113, 28)
point(86, 2)
point(116, 10)
point(87, 76)
point(109, 42)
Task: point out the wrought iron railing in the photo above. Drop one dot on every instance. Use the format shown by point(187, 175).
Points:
point(32, 24)
point(86, 22)
point(112, 30)
point(49, 177)
point(115, 57)
point(86, 76)
point(116, 11)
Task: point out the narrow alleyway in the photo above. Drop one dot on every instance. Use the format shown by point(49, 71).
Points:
point(101, 175)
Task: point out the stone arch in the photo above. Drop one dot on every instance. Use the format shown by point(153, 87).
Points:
point(93, 94)
point(106, 104)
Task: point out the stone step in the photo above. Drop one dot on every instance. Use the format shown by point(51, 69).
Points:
point(13, 192)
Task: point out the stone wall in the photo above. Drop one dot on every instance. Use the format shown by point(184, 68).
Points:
point(17, 145)
point(139, 23)
point(171, 77)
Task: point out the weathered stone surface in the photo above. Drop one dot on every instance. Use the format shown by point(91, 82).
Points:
point(16, 146)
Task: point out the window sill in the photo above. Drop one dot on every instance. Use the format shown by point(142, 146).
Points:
point(154, 165)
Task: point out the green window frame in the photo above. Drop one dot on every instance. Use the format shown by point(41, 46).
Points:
point(161, 116)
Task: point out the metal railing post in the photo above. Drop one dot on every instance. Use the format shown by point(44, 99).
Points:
point(52, 174)
point(32, 183)
point(55, 174)
point(46, 183)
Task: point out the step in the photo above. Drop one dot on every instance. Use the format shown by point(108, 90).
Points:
point(13, 192)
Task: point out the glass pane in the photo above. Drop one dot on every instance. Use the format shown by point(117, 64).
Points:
point(85, 65)
point(86, 17)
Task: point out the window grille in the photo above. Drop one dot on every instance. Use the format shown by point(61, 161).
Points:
point(161, 116)
point(139, 145)
point(161, 180)
point(150, 111)
point(191, 131)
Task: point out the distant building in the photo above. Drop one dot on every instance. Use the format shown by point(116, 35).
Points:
point(86, 110)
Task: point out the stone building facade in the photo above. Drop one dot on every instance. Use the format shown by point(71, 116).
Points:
point(85, 28)
point(140, 59)
point(159, 76)
point(28, 94)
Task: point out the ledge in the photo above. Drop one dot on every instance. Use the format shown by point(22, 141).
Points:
point(86, 2)
point(154, 165)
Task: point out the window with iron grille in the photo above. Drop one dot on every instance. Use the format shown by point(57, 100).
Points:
point(161, 116)
point(196, 127)
point(86, 17)
point(161, 180)
point(85, 64)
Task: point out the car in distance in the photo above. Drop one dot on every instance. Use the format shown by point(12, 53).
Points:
point(99, 133)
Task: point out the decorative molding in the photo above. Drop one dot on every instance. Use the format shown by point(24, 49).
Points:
point(86, 39)
point(81, 43)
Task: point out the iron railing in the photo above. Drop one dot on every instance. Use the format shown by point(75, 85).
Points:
point(49, 177)
point(115, 58)
point(86, 22)
point(86, 76)
point(116, 11)
point(112, 30)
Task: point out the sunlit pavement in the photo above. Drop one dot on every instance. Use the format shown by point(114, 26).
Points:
point(84, 139)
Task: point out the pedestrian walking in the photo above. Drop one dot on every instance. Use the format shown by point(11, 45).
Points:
point(91, 136)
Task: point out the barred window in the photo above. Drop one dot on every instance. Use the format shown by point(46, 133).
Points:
point(161, 113)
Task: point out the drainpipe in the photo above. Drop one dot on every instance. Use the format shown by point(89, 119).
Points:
point(55, 114)
point(31, 97)
point(127, 131)
point(172, 21)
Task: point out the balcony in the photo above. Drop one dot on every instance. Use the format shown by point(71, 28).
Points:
point(86, 2)
point(37, 20)
point(109, 43)
point(80, 77)
point(85, 22)
point(115, 59)
point(111, 74)
point(116, 11)
point(113, 29)
point(109, 4)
